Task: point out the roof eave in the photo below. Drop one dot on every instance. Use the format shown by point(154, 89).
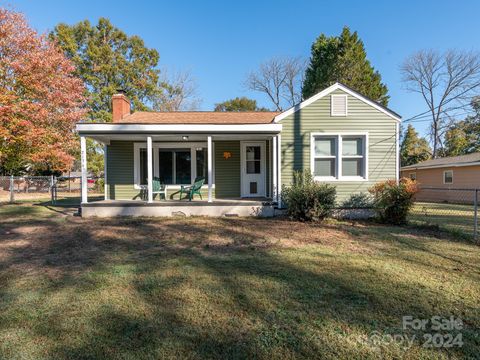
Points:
point(414, 167)
point(112, 128)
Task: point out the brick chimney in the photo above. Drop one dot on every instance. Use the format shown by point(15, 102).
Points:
point(120, 106)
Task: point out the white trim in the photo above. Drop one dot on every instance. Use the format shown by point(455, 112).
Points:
point(397, 152)
point(338, 138)
point(444, 172)
point(279, 170)
point(162, 145)
point(105, 187)
point(440, 166)
point(209, 167)
point(243, 145)
point(345, 96)
point(327, 91)
point(83, 165)
point(89, 128)
point(149, 169)
point(274, 168)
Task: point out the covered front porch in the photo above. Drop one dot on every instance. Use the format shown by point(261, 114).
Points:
point(238, 164)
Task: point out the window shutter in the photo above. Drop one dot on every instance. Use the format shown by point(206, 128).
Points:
point(338, 105)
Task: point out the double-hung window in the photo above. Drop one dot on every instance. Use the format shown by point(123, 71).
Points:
point(339, 156)
point(448, 177)
point(325, 163)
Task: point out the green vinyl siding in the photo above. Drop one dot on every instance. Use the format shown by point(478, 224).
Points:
point(120, 171)
point(227, 171)
point(315, 118)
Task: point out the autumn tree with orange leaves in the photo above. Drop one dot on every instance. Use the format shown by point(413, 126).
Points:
point(40, 100)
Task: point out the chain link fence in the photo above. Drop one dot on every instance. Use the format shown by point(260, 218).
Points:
point(455, 210)
point(57, 190)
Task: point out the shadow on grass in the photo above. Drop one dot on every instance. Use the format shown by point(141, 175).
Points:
point(203, 288)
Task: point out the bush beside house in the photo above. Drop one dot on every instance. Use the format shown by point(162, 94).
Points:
point(392, 201)
point(308, 200)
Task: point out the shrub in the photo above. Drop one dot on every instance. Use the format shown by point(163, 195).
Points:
point(99, 184)
point(308, 200)
point(358, 201)
point(393, 201)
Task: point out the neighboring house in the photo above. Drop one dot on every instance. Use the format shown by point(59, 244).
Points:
point(344, 138)
point(457, 172)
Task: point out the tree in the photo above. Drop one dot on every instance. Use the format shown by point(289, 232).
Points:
point(280, 79)
point(464, 137)
point(413, 149)
point(107, 60)
point(177, 91)
point(447, 82)
point(41, 100)
point(343, 59)
point(239, 104)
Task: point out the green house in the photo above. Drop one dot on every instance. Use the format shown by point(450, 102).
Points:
point(339, 135)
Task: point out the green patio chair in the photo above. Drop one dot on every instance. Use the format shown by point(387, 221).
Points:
point(159, 188)
point(193, 189)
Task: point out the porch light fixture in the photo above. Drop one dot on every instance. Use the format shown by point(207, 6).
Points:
point(185, 138)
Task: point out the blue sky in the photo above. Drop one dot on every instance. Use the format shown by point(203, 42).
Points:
point(219, 42)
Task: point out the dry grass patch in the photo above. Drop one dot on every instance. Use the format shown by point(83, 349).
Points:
point(224, 288)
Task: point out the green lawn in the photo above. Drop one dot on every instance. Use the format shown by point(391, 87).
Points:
point(452, 217)
point(225, 288)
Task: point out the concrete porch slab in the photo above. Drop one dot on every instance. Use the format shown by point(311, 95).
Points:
point(218, 208)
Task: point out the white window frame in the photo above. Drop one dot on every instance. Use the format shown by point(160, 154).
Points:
point(444, 173)
point(346, 104)
point(414, 176)
point(165, 145)
point(338, 156)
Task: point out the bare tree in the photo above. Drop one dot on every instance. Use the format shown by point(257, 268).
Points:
point(447, 82)
point(178, 91)
point(280, 79)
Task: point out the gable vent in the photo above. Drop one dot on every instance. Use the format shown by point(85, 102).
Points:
point(338, 105)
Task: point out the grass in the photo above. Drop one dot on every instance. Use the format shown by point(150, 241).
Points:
point(455, 218)
point(225, 288)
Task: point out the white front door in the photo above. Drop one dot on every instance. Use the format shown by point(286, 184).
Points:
point(253, 169)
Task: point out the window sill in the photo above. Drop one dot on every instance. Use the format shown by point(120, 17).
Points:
point(342, 179)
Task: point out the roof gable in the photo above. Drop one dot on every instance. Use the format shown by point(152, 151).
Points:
point(328, 91)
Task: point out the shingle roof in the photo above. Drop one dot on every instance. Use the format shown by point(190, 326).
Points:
point(199, 117)
point(463, 160)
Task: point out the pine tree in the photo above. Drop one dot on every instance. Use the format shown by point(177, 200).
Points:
point(343, 59)
point(414, 149)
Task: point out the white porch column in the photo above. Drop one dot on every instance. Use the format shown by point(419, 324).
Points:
point(105, 186)
point(149, 169)
point(274, 169)
point(279, 170)
point(210, 162)
point(83, 165)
